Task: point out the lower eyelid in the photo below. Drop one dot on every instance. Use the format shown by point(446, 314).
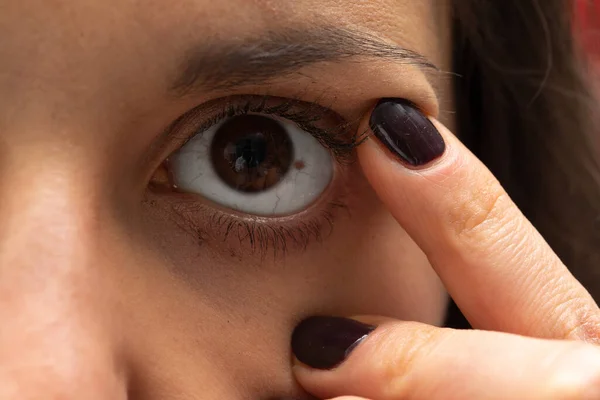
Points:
point(235, 233)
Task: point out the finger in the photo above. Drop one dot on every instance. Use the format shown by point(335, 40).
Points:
point(495, 265)
point(349, 398)
point(409, 360)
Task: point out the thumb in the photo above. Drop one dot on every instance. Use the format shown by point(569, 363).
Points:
point(409, 360)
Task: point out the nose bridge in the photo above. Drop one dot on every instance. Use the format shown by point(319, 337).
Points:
point(54, 339)
point(48, 218)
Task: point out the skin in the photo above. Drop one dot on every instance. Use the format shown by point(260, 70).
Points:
point(537, 329)
point(108, 292)
point(104, 292)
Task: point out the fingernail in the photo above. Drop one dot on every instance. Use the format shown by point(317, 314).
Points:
point(325, 342)
point(406, 132)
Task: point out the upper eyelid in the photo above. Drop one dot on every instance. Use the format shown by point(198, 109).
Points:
point(173, 136)
point(338, 139)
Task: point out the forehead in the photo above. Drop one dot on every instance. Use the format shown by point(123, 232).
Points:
point(236, 16)
point(74, 29)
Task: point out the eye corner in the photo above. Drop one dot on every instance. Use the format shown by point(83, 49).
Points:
point(161, 180)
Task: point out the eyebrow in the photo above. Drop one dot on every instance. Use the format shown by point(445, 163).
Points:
point(257, 60)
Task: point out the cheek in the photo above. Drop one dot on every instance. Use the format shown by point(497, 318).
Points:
point(371, 266)
point(196, 310)
point(199, 321)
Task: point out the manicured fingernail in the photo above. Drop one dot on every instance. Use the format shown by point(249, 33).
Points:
point(325, 342)
point(406, 132)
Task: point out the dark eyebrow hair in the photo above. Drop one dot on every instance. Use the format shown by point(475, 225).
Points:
point(256, 60)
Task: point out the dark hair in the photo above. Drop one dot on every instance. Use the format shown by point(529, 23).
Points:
point(525, 109)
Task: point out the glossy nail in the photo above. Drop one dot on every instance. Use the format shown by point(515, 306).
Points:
point(406, 132)
point(325, 342)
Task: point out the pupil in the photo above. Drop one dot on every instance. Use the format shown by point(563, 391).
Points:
point(251, 153)
point(252, 149)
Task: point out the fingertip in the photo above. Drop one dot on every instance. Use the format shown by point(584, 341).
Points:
point(403, 129)
point(323, 342)
point(349, 398)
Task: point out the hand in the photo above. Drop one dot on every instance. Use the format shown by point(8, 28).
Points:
point(495, 265)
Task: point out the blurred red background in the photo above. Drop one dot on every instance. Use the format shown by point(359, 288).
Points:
point(587, 26)
point(587, 31)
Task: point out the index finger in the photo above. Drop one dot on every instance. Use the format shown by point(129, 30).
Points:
point(495, 265)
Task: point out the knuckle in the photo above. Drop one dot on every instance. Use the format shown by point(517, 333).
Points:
point(405, 354)
point(576, 317)
point(480, 212)
point(585, 326)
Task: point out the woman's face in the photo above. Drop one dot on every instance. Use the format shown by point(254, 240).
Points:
point(158, 257)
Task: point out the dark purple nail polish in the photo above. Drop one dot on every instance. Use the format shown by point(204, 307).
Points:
point(406, 132)
point(325, 342)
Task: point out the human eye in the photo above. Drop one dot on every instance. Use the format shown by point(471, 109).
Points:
point(255, 165)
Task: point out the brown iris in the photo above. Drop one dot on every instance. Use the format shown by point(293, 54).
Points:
point(251, 153)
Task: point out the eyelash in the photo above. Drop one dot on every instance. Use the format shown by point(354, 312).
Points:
point(261, 235)
point(265, 234)
point(336, 139)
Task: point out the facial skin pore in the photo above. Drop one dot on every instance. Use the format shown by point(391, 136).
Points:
point(106, 290)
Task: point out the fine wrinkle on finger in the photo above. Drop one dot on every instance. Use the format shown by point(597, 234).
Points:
point(588, 327)
point(575, 316)
point(480, 213)
point(583, 325)
point(406, 352)
point(465, 202)
point(471, 202)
